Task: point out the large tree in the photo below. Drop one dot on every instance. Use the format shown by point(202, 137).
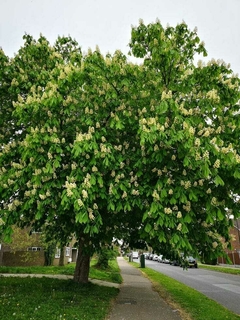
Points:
point(106, 146)
point(189, 133)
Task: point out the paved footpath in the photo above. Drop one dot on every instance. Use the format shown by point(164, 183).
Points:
point(137, 300)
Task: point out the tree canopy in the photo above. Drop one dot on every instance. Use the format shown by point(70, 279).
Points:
point(95, 146)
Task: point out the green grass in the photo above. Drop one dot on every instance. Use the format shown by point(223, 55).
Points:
point(231, 270)
point(67, 269)
point(52, 299)
point(192, 304)
point(111, 274)
point(47, 298)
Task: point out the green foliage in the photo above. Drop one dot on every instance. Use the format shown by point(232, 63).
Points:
point(105, 254)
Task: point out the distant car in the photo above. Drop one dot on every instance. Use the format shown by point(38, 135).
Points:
point(135, 255)
point(155, 257)
point(174, 262)
point(192, 262)
point(146, 255)
point(151, 256)
point(160, 258)
point(188, 262)
point(165, 260)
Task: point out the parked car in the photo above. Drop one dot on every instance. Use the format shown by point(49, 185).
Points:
point(191, 262)
point(165, 260)
point(160, 257)
point(155, 257)
point(174, 262)
point(146, 255)
point(135, 255)
point(187, 262)
point(151, 256)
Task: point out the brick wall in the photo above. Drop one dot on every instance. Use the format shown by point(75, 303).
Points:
point(18, 259)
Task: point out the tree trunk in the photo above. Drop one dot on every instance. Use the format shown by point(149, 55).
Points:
point(61, 260)
point(49, 253)
point(82, 268)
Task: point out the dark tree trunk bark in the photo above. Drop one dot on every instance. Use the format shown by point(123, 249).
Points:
point(61, 260)
point(82, 268)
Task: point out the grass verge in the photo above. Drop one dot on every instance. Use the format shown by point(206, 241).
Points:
point(111, 274)
point(52, 299)
point(231, 270)
point(191, 303)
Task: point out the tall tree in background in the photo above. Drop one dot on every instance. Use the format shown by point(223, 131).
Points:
point(107, 146)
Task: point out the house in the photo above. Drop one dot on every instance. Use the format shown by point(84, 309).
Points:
point(234, 252)
point(28, 250)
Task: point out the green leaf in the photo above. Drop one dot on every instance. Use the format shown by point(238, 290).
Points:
point(160, 221)
point(186, 161)
point(56, 163)
point(111, 206)
point(193, 196)
point(100, 180)
point(148, 228)
point(119, 125)
point(127, 207)
point(183, 198)
point(93, 180)
point(163, 193)
point(161, 237)
point(154, 207)
point(38, 215)
point(173, 201)
point(175, 238)
point(205, 170)
point(237, 174)
point(163, 107)
point(49, 168)
point(81, 217)
point(220, 215)
point(125, 82)
point(218, 181)
point(187, 218)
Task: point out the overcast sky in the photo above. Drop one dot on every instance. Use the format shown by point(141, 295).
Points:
point(107, 23)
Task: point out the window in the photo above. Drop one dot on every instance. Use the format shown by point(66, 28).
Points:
point(57, 253)
point(67, 252)
point(34, 248)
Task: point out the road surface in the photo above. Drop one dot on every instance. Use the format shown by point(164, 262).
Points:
point(222, 287)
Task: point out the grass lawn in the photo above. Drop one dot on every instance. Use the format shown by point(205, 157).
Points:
point(46, 298)
point(191, 303)
point(231, 270)
point(51, 299)
point(111, 274)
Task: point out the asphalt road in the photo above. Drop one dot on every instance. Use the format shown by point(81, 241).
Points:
point(221, 287)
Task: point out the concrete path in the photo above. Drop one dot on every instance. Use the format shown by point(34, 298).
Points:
point(137, 300)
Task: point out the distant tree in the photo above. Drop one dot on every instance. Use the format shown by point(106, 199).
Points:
point(105, 254)
point(107, 146)
point(49, 253)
